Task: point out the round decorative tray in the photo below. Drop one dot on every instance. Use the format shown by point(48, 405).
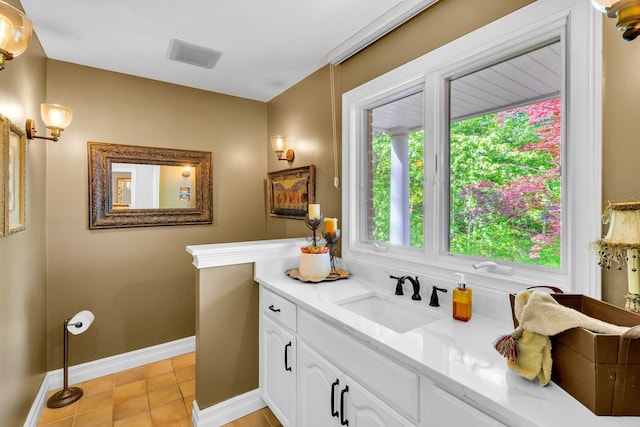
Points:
point(334, 275)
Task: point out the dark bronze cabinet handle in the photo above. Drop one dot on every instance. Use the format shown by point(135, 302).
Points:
point(286, 360)
point(334, 413)
point(275, 310)
point(343, 421)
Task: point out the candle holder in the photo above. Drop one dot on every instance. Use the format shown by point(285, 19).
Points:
point(313, 225)
point(332, 240)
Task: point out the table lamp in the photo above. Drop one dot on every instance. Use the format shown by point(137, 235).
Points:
point(621, 246)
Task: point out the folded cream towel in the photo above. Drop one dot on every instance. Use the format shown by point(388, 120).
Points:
point(538, 312)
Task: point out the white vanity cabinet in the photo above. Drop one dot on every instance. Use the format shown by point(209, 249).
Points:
point(278, 346)
point(445, 409)
point(314, 374)
point(329, 398)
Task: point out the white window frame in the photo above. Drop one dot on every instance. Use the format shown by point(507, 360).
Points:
point(579, 27)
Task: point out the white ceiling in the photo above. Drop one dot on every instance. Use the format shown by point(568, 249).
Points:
point(267, 45)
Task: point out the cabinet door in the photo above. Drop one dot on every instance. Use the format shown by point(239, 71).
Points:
point(278, 371)
point(363, 409)
point(444, 410)
point(319, 386)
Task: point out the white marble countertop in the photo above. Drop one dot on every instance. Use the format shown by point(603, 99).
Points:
point(457, 356)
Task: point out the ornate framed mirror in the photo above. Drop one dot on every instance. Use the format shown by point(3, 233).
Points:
point(135, 186)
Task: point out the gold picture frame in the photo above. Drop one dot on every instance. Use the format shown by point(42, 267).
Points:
point(5, 124)
point(290, 191)
point(14, 158)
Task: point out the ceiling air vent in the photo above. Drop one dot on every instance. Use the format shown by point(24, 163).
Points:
point(189, 53)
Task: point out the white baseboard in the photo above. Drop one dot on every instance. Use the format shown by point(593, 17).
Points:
point(38, 404)
point(227, 411)
point(107, 366)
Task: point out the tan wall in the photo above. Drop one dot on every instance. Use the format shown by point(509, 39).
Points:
point(621, 127)
point(139, 282)
point(226, 334)
point(303, 115)
point(22, 255)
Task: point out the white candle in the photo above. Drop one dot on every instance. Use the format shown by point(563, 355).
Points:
point(314, 211)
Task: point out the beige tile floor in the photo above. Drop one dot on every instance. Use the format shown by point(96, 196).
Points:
point(154, 395)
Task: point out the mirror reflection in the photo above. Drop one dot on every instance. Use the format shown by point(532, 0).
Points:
point(148, 186)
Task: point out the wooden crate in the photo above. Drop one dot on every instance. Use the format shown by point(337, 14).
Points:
point(601, 371)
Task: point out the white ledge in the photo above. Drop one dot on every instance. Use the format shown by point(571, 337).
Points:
point(220, 254)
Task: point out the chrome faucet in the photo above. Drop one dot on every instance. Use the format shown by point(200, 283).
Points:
point(414, 282)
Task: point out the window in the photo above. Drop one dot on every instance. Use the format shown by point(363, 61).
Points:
point(486, 149)
point(505, 157)
point(395, 152)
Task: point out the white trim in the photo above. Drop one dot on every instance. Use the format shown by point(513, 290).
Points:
point(220, 254)
point(526, 25)
point(106, 366)
point(393, 18)
point(38, 404)
point(227, 411)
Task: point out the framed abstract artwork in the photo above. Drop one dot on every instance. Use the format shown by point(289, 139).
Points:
point(13, 168)
point(290, 191)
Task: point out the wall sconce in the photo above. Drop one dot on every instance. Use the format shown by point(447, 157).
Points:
point(55, 117)
point(186, 171)
point(15, 32)
point(279, 145)
point(79, 323)
point(626, 11)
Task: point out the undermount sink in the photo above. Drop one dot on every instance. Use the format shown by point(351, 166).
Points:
point(384, 311)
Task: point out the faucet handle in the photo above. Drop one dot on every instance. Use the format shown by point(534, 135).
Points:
point(416, 289)
point(434, 302)
point(400, 280)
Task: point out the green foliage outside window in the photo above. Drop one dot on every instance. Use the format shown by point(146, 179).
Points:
point(505, 200)
point(505, 185)
point(381, 188)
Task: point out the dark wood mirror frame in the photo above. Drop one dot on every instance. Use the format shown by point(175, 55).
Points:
point(102, 155)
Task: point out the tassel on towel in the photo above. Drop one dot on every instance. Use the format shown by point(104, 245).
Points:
point(507, 346)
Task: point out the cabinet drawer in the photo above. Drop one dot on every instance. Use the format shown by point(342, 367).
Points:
point(394, 384)
point(278, 308)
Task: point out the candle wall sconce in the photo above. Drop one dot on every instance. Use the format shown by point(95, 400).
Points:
point(15, 32)
point(55, 117)
point(279, 145)
point(626, 12)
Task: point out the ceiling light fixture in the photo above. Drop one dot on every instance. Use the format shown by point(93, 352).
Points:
point(627, 13)
point(15, 32)
point(55, 117)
